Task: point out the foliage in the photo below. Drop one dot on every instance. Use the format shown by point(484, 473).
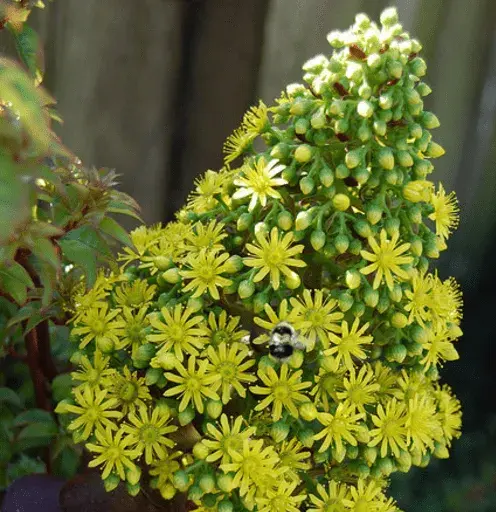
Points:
point(54, 228)
point(329, 225)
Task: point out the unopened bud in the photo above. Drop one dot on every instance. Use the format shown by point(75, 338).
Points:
point(303, 153)
point(353, 279)
point(285, 220)
point(341, 202)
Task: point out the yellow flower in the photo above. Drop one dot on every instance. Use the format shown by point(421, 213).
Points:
point(328, 380)
point(283, 391)
point(315, 317)
point(93, 409)
point(129, 390)
point(236, 144)
point(96, 374)
point(422, 423)
point(114, 453)
point(147, 433)
point(178, 332)
point(273, 256)
point(222, 329)
point(208, 186)
point(254, 466)
point(193, 384)
point(85, 300)
point(419, 298)
point(98, 324)
point(359, 389)
point(207, 236)
point(387, 380)
point(386, 259)
point(143, 238)
point(229, 365)
point(293, 454)
point(226, 439)
point(410, 384)
point(284, 315)
point(163, 471)
point(390, 431)
point(449, 413)
point(368, 496)
point(446, 300)
point(131, 327)
point(445, 212)
point(334, 499)
point(338, 427)
point(280, 498)
point(135, 294)
point(438, 348)
point(349, 343)
point(255, 119)
point(205, 269)
point(258, 181)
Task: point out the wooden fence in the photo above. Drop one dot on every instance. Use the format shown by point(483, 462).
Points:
point(153, 87)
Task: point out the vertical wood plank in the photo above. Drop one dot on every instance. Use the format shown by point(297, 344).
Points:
point(219, 86)
point(115, 80)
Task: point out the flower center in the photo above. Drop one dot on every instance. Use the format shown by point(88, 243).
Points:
point(220, 336)
point(176, 333)
point(98, 326)
point(193, 384)
point(149, 434)
point(134, 332)
point(227, 370)
point(385, 258)
point(128, 392)
point(281, 392)
point(92, 376)
point(231, 442)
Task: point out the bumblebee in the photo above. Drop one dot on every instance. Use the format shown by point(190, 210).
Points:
point(284, 341)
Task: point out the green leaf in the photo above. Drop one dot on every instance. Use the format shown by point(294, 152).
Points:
point(62, 386)
point(115, 230)
point(33, 416)
point(15, 280)
point(30, 51)
point(38, 430)
point(66, 464)
point(48, 278)
point(44, 250)
point(9, 396)
point(13, 198)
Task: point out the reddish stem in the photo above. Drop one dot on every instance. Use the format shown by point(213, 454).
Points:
point(45, 353)
point(37, 375)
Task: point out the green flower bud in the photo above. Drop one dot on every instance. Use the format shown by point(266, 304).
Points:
point(181, 481)
point(412, 97)
point(306, 437)
point(225, 482)
point(164, 360)
point(245, 220)
point(418, 67)
point(430, 121)
point(292, 280)
point(396, 293)
point(404, 158)
point(185, 417)
point(261, 228)
point(418, 190)
point(171, 276)
point(195, 303)
point(423, 89)
point(76, 357)
point(386, 158)
point(370, 454)
point(374, 60)
point(341, 242)
point(389, 16)
point(195, 492)
point(303, 220)
point(353, 279)
point(200, 451)
point(374, 213)
point(362, 21)
point(396, 353)
point(434, 150)
point(144, 355)
point(416, 247)
point(385, 466)
point(376, 352)
point(355, 247)
point(392, 226)
point(380, 127)
point(352, 452)
point(301, 126)
point(246, 289)
point(308, 411)
point(386, 100)
point(342, 171)
point(361, 174)
point(364, 133)
point(303, 153)
point(318, 239)
point(365, 109)
point(300, 107)
point(362, 227)
point(365, 91)
point(440, 451)
point(345, 301)
point(337, 108)
point(336, 39)
point(383, 304)
point(234, 264)
point(307, 185)
point(371, 297)
point(225, 506)
point(285, 220)
point(341, 126)
point(318, 120)
point(395, 69)
point(358, 309)
point(326, 177)
point(279, 431)
point(133, 490)
point(152, 375)
point(162, 262)
point(207, 485)
point(454, 331)
point(106, 345)
point(341, 202)
point(353, 158)
point(111, 482)
point(280, 151)
point(354, 71)
point(259, 302)
point(289, 174)
point(296, 359)
point(214, 408)
point(399, 320)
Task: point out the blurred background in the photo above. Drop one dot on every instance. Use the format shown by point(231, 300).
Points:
point(153, 87)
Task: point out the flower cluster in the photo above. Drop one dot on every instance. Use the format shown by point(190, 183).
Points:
point(330, 224)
